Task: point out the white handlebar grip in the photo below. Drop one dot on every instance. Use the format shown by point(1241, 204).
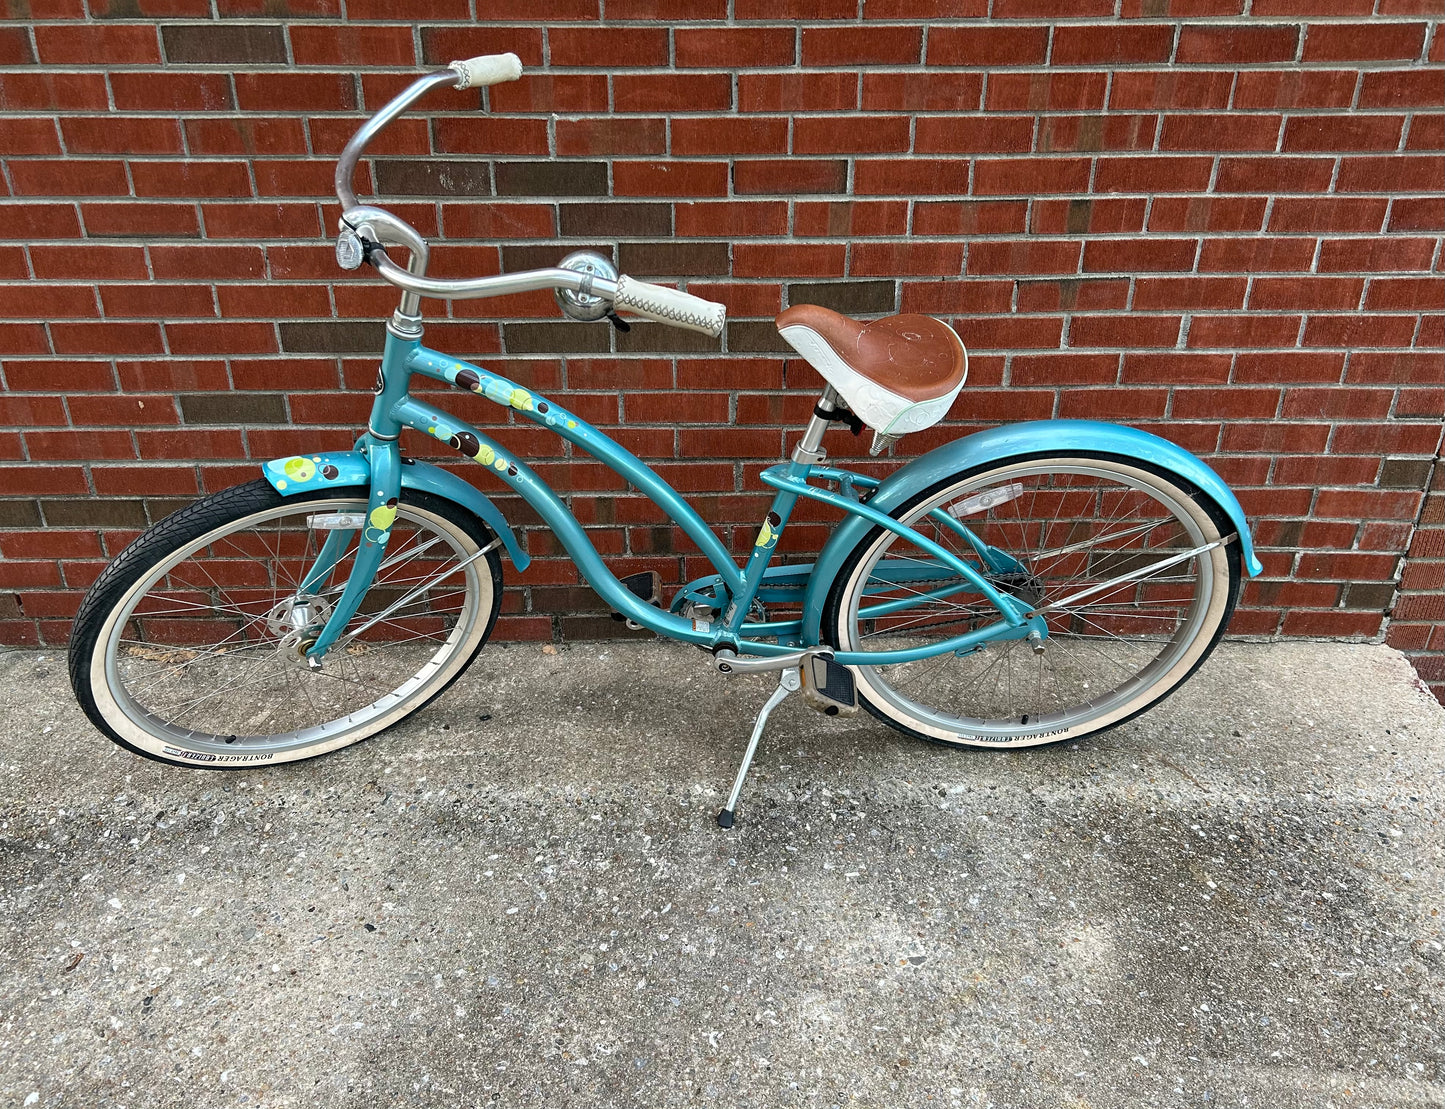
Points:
point(670, 306)
point(489, 69)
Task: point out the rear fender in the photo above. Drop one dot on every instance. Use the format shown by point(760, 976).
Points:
point(1008, 441)
point(303, 473)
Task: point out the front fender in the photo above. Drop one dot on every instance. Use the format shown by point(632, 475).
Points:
point(997, 444)
point(302, 473)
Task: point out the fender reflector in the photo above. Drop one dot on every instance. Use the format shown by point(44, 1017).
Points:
point(985, 500)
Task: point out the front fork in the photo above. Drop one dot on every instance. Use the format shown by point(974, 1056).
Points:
point(385, 459)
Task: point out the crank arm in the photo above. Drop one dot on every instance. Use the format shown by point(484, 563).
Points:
point(727, 662)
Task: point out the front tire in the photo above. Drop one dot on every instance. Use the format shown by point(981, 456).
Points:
point(189, 648)
point(1071, 522)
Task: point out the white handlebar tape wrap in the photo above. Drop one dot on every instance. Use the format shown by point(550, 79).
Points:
point(670, 306)
point(489, 69)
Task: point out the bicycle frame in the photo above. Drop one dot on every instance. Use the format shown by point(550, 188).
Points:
point(395, 409)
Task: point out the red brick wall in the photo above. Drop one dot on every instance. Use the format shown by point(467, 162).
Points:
point(1223, 227)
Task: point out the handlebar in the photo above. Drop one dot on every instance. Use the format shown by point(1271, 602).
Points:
point(372, 227)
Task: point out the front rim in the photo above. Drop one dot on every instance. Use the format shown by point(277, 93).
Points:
point(1069, 524)
point(201, 659)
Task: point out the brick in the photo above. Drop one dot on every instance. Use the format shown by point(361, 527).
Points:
point(788, 260)
point(954, 134)
point(1328, 214)
point(1294, 88)
point(887, 259)
point(93, 261)
point(1387, 293)
point(244, 136)
point(1152, 174)
point(1234, 131)
point(611, 135)
point(72, 177)
point(738, 219)
point(1046, 92)
point(1124, 331)
point(1024, 256)
point(850, 218)
point(1288, 366)
point(1380, 40)
point(58, 91)
point(441, 44)
point(1111, 44)
point(798, 92)
point(233, 408)
point(613, 47)
point(868, 45)
point(157, 300)
point(223, 44)
point(684, 179)
point(1112, 404)
point(29, 136)
point(190, 178)
point(614, 220)
point(742, 135)
point(1028, 176)
point(548, 92)
point(1096, 132)
point(1207, 213)
point(1173, 368)
point(82, 44)
point(1097, 295)
point(1402, 367)
point(1376, 255)
point(848, 297)
point(1188, 293)
point(1401, 88)
point(1351, 132)
point(353, 45)
point(1338, 403)
point(1274, 175)
point(987, 46)
point(968, 217)
point(1355, 330)
point(484, 135)
point(1139, 255)
point(1413, 174)
point(921, 91)
point(1220, 404)
point(672, 92)
point(790, 177)
point(106, 338)
point(1164, 89)
point(1261, 254)
point(1235, 45)
point(685, 258)
point(848, 134)
point(703, 47)
point(137, 91)
point(534, 179)
point(1417, 214)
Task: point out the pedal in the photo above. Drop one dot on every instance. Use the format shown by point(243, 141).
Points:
point(647, 586)
point(828, 686)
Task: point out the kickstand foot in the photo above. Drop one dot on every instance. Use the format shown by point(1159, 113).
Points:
point(788, 682)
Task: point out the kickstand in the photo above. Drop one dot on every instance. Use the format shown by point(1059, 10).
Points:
point(788, 682)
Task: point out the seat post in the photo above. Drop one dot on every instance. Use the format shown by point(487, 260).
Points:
point(809, 448)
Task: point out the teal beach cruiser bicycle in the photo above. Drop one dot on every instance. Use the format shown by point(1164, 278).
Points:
point(1030, 584)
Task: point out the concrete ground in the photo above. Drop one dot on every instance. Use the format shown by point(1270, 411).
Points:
point(519, 898)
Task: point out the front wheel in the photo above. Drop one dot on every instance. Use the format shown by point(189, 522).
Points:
point(1098, 545)
point(190, 646)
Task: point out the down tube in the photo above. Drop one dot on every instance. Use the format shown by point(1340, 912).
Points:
point(518, 475)
point(551, 416)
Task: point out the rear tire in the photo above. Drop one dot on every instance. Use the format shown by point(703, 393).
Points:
point(1071, 521)
point(188, 648)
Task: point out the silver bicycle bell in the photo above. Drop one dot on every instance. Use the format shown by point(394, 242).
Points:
point(584, 306)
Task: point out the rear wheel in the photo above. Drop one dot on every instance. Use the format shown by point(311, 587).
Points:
point(1098, 545)
point(190, 646)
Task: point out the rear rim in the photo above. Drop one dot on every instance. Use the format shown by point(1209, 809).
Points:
point(202, 658)
point(1071, 524)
